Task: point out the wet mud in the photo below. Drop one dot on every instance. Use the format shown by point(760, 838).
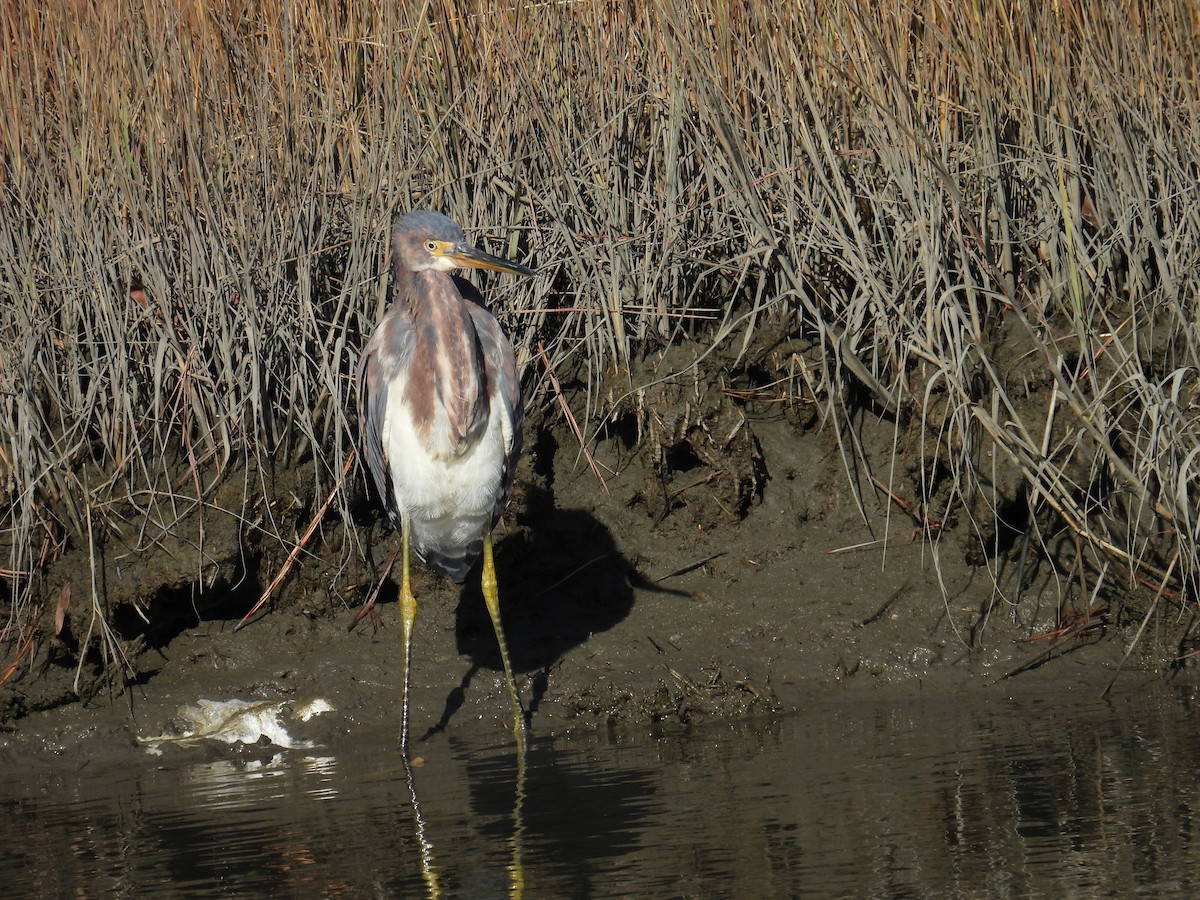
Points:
point(710, 563)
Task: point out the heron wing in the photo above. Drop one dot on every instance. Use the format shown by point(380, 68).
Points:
point(386, 354)
point(501, 367)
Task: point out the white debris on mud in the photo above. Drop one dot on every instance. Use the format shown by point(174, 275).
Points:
point(239, 721)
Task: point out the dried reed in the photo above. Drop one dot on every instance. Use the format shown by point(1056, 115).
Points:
point(985, 215)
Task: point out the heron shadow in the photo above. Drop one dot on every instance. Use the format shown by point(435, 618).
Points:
point(562, 580)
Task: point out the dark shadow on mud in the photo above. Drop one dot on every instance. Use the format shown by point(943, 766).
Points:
point(173, 609)
point(561, 581)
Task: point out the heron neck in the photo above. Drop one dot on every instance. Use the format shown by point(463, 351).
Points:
point(446, 374)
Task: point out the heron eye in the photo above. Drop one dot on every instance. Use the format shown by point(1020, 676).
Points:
point(431, 246)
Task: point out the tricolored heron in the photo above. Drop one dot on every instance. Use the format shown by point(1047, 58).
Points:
point(439, 409)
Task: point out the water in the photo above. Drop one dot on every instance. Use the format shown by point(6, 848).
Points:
point(1062, 798)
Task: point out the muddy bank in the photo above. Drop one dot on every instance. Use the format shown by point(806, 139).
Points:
point(722, 571)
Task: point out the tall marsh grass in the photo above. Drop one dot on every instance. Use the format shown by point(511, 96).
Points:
point(978, 220)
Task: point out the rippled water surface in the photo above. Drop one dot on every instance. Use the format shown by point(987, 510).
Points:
point(917, 799)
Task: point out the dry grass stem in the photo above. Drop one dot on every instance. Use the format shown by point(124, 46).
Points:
point(975, 222)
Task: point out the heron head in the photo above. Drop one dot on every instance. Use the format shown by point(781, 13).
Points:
point(424, 239)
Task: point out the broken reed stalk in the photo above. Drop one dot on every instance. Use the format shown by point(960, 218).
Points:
point(300, 545)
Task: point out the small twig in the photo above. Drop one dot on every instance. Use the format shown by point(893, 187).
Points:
point(1074, 625)
point(26, 646)
point(851, 548)
point(703, 479)
point(570, 417)
point(879, 613)
point(366, 607)
point(1141, 628)
point(683, 570)
point(922, 522)
point(287, 565)
point(1103, 348)
point(1175, 596)
point(572, 574)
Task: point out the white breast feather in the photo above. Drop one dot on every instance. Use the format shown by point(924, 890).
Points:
point(448, 497)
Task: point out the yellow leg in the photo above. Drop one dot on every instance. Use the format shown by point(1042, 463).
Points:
point(408, 615)
point(491, 597)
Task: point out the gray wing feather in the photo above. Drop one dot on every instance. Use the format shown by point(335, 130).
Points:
point(384, 354)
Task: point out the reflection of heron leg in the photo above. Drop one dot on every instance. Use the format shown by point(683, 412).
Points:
point(516, 866)
point(491, 597)
point(408, 615)
point(429, 868)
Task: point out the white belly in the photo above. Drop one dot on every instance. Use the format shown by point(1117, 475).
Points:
point(448, 497)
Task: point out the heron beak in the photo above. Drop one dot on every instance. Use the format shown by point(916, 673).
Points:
point(473, 258)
